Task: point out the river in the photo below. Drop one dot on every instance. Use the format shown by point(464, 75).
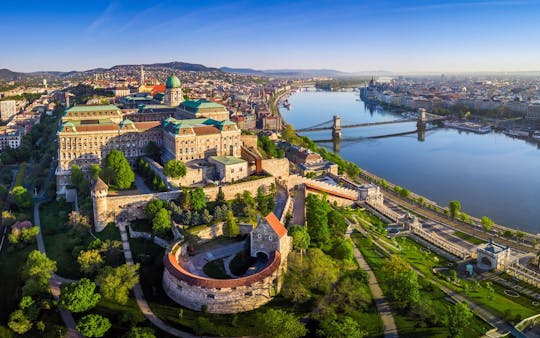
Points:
point(490, 174)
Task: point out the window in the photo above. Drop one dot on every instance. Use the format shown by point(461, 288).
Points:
point(269, 238)
point(259, 236)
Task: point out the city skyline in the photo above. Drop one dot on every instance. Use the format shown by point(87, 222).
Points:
point(407, 37)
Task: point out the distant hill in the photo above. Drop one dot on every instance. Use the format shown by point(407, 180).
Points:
point(8, 75)
point(286, 72)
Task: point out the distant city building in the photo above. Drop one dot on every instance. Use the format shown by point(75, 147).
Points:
point(173, 92)
point(533, 112)
point(121, 91)
point(7, 109)
point(202, 108)
point(229, 168)
point(93, 113)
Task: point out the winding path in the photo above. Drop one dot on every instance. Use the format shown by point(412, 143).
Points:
point(385, 311)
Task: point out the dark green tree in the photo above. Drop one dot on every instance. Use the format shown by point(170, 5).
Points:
point(140, 332)
point(174, 169)
point(37, 271)
point(94, 171)
point(152, 207)
point(345, 327)
point(220, 198)
point(19, 322)
point(342, 249)
point(317, 219)
point(80, 296)
point(93, 325)
point(153, 151)
point(118, 170)
point(77, 175)
point(487, 223)
point(402, 282)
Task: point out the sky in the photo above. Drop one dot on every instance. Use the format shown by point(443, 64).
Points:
point(352, 36)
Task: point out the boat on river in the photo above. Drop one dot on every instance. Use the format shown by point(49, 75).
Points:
point(468, 126)
point(516, 133)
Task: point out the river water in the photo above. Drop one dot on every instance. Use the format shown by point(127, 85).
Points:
point(490, 174)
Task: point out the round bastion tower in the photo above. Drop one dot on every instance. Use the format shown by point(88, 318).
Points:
point(173, 92)
point(99, 198)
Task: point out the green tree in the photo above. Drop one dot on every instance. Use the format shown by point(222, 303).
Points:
point(115, 283)
point(90, 261)
point(317, 219)
point(459, 317)
point(94, 171)
point(454, 208)
point(402, 282)
point(345, 327)
point(93, 325)
point(520, 235)
point(153, 151)
point(152, 208)
point(288, 133)
point(80, 296)
point(198, 199)
point(174, 169)
point(140, 332)
point(342, 249)
point(220, 198)
point(77, 175)
point(487, 223)
point(37, 271)
point(21, 197)
point(202, 325)
point(231, 228)
point(300, 237)
point(161, 223)
point(19, 323)
point(276, 323)
point(118, 170)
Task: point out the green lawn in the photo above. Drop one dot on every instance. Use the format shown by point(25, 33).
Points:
point(469, 238)
point(61, 241)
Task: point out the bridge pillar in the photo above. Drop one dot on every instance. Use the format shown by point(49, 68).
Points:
point(336, 127)
point(422, 119)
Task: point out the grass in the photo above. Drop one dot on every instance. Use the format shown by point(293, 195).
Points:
point(469, 238)
point(215, 269)
point(11, 261)
point(63, 243)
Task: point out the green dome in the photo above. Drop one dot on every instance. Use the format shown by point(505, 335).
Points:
point(172, 82)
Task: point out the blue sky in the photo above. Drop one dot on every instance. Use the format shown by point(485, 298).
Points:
point(400, 36)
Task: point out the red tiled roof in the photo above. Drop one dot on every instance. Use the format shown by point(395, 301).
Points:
point(172, 265)
point(276, 224)
point(158, 89)
point(205, 130)
point(96, 127)
point(147, 125)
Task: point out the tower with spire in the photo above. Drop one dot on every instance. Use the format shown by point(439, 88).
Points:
point(142, 75)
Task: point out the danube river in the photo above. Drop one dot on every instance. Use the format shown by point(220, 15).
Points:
point(490, 174)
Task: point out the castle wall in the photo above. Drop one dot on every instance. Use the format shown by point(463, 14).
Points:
point(277, 167)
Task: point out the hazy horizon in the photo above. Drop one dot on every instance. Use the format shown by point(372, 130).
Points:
point(413, 37)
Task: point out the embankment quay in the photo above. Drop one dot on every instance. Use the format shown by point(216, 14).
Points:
point(526, 245)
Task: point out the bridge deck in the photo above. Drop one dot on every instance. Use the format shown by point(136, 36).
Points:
point(366, 124)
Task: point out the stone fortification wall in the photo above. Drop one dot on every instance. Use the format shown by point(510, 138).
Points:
point(347, 193)
point(220, 295)
point(130, 207)
point(277, 167)
point(210, 232)
point(249, 141)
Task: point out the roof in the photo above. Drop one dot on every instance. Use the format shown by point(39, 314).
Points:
point(99, 185)
point(227, 160)
point(172, 82)
point(276, 225)
point(201, 103)
point(205, 130)
point(91, 108)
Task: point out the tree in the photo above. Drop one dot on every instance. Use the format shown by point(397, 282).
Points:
point(77, 175)
point(343, 328)
point(115, 283)
point(402, 281)
point(520, 235)
point(118, 169)
point(90, 261)
point(317, 219)
point(487, 223)
point(343, 249)
point(288, 133)
point(459, 317)
point(37, 270)
point(153, 151)
point(93, 325)
point(300, 237)
point(231, 228)
point(21, 197)
point(220, 198)
point(198, 199)
point(161, 223)
point(79, 297)
point(454, 207)
point(140, 332)
point(184, 199)
point(277, 323)
point(152, 207)
point(19, 323)
point(202, 325)
point(94, 171)
point(174, 169)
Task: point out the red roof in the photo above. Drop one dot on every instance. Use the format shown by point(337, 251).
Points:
point(276, 225)
point(158, 89)
point(205, 130)
point(147, 125)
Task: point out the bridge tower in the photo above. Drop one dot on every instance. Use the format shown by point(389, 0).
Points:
point(336, 127)
point(422, 119)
